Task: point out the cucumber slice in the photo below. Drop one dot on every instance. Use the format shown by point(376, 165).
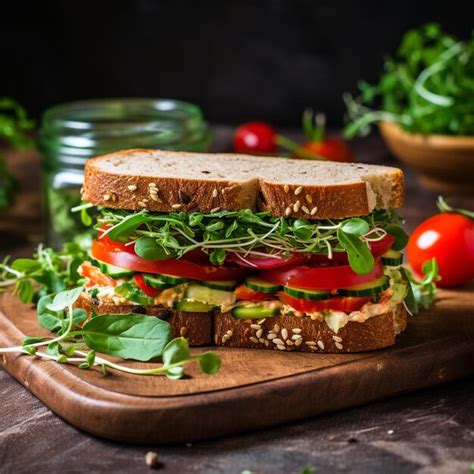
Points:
point(193, 306)
point(207, 295)
point(257, 284)
point(308, 294)
point(112, 270)
point(156, 281)
point(254, 312)
point(373, 287)
point(220, 285)
point(392, 258)
point(173, 280)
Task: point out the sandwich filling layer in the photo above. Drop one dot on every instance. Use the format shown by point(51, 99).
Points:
point(250, 264)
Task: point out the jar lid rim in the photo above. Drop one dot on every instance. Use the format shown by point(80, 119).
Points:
point(66, 114)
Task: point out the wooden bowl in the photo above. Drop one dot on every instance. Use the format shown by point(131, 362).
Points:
point(445, 163)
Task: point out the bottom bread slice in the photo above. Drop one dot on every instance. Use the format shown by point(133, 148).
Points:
point(197, 328)
point(283, 332)
point(294, 333)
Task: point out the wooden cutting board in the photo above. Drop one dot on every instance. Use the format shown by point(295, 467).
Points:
point(254, 388)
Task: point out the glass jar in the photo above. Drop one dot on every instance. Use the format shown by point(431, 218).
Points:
point(73, 132)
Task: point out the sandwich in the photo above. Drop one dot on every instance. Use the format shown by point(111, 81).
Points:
point(248, 251)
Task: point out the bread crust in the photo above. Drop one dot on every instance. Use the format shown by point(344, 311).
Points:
point(135, 193)
point(316, 336)
point(196, 327)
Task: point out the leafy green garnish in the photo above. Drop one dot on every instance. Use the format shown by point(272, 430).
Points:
point(421, 292)
point(246, 234)
point(130, 336)
point(47, 273)
point(427, 88)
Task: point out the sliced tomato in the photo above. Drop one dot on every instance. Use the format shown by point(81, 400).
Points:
point(321, 278)
point(147, 289)
point(262, 263)
point(344, 304)
point(94, 276)
point(181, 267)
point(244, 293)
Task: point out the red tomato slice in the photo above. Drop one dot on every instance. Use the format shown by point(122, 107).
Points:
point(263, 263)
point(147, 289)
point(181, 267)
point(244, 293)
point(345, 304)
point(323, 278)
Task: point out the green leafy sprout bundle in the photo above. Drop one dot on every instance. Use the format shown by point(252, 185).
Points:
point(427, 88)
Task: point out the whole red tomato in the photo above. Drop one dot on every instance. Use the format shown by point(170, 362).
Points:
point(255, 137)
point(449, 238)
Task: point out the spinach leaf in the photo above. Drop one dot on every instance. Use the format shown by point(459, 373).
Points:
point(401, 237)
point(149, 249)
point(360, 258)
point(130, 336)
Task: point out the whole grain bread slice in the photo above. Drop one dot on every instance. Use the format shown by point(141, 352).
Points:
point(294, 333)
point(165, 181)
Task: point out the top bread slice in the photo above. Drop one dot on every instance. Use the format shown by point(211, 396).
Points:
point(165, 181)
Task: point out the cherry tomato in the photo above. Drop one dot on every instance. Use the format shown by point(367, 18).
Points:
point(255, 137)
point(94, 276)
point(244, 293)
point(344, 304)
point(334, 149)
point(181, 267)
point(449, 238)
point(147, 289)
point(322, 278)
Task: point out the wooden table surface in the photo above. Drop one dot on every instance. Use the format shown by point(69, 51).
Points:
point(430, 431)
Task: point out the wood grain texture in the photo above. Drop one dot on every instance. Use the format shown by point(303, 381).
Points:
point(254, 389)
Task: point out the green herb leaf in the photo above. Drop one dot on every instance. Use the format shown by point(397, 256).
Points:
point(48, 319)
point(24, 290)
point(121, 231)
point(210, 363)
point(360, 258)
point(130, 336)
point(32, 340)
point(175, 373)
point(26, 265)
point(175, 351)
point(149, 249)
point(65, 298)
point(401, 237)
point(355, 226)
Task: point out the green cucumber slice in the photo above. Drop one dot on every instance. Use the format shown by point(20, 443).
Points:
point(173, 280)
point(257, 284)
point(392, 258)
point(193, 306)
point(156, 281)
point(254, 312)
point(307, 294)
point(220, 285)
point(207, 295)
point(112, 270)
point(373, 287)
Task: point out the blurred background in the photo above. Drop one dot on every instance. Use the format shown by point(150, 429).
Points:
point(238, 60)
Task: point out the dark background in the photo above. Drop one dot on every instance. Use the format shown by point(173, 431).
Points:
point(239, 60)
